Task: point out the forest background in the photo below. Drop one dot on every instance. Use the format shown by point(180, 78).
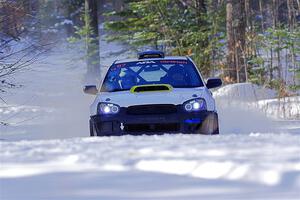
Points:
point(254, 41)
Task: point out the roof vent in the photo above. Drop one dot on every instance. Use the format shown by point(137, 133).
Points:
point(151, 54)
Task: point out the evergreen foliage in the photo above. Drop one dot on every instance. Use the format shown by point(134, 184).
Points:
point(198, 29)
point(173, 26)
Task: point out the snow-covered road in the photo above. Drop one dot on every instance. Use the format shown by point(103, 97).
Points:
point(255, 166)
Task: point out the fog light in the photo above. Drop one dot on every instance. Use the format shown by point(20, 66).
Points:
point(188, 107)
point(115, 109)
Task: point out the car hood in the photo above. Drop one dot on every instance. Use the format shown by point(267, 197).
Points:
point(127, 98)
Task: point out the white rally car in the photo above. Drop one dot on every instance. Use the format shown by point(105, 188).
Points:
point(153, 94)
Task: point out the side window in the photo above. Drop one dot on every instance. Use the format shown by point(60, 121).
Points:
point(128, 78)
point(111, 80)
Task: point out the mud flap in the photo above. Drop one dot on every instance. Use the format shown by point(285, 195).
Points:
point(210, 126)
point(92, 129)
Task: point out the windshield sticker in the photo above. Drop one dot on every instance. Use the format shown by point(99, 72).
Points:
point(120, 65)
point(146, 62)
point(174, 62)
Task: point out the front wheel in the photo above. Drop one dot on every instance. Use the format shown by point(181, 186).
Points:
point(210, 126)
point(92, 129)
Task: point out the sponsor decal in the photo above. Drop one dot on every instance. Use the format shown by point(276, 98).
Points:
point(173, 62)
point(146, 62)
point(117, 66)
point(120, 65)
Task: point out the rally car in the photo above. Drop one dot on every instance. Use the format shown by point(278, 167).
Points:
point(153, 94)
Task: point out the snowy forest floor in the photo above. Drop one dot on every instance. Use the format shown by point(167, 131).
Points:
point(46, 152)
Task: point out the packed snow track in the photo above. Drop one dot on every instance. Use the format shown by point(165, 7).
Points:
point(255, 166)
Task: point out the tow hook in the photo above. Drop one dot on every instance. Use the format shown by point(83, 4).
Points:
point(122, 126)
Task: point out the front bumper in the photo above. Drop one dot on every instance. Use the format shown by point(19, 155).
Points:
point(124, 123)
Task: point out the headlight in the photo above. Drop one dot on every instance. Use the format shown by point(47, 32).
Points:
point(108, 108)
point(195, 105)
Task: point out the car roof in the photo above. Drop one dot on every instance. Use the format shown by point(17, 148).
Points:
point(137, 60)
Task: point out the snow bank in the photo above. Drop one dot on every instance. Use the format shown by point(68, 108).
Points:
point(284, 108)
point(244, 92)
point(246, 100)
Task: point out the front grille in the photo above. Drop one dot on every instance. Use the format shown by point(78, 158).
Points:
point(169, 127)
point(151, 109)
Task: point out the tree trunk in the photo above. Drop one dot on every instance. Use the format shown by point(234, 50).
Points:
point(241, 38)
point(118, 5)
point(262, 15)
point(291, 14)
point(92, 41)
point(292, 22)
point(230, 70)
point(201, 10)
point(236, 25)
point(214, 6)
point(275, 15)
point(200, 4)
point(248, 14)
point(298, 3)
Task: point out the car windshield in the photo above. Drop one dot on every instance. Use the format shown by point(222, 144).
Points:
point(177, 73)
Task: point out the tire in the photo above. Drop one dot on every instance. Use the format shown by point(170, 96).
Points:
point(92, 129)
point(210, 126)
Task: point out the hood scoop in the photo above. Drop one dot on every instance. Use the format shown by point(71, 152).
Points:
point(151, 88)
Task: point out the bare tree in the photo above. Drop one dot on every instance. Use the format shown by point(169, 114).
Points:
point(14, 54)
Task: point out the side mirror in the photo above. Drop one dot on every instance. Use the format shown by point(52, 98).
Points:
point(90, 89)
point(213, 83)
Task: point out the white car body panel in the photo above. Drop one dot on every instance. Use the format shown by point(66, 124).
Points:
point(176, 96)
